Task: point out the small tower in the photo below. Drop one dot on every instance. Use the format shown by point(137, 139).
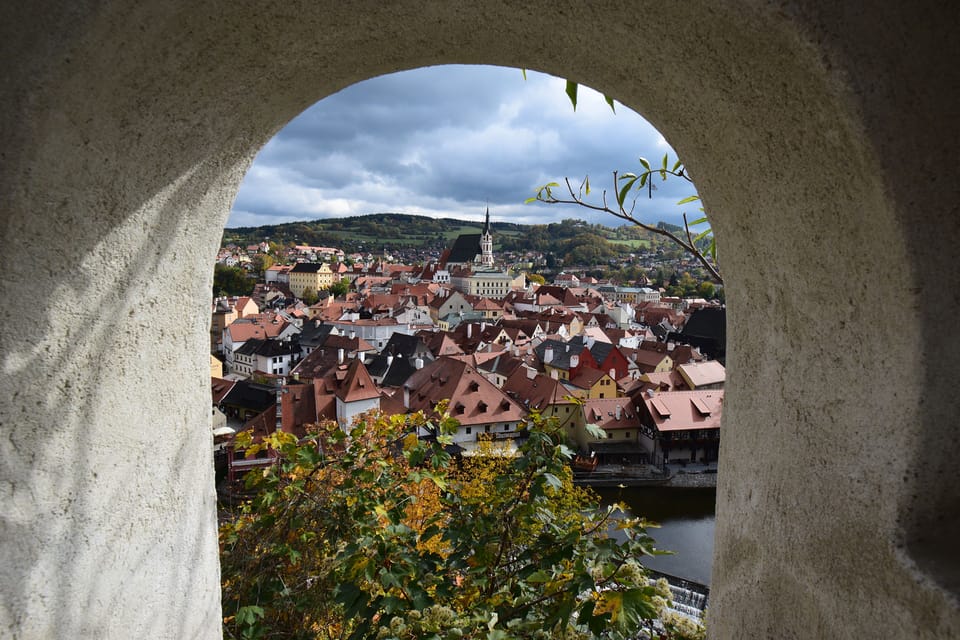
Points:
point(486, 243)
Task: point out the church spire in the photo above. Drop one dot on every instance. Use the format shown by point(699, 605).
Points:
point(486, 242)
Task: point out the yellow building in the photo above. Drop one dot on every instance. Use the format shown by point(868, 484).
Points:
point(310, 276)
point(489, 284)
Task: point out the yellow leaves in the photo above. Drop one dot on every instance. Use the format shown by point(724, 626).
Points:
point(410, 441)
point(609, 602)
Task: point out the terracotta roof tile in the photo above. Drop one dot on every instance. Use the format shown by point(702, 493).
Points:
point(473, 398)
point(683, 410)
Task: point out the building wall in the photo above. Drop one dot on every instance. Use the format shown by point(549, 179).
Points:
point(348, 411)
point(300, 282)
point(119, 172)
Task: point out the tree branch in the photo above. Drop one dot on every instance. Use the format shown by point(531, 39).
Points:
point(546, 196)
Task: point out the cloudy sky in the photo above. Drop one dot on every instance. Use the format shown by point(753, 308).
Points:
point(445, 142)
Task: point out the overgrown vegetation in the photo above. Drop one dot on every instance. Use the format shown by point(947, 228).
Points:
point(380, 534)
point(231, 281)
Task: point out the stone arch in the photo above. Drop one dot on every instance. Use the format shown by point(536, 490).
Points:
point(127, 127)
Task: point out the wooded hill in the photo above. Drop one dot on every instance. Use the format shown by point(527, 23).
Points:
point(591, 243)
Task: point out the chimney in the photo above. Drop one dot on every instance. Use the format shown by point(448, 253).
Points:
point(618, 412)
point(548, 354)
point(574, 361)
point(469, 331)
point(613, 373)
point(483, 327)
point(553, 374)
point(531, 373)
point(389, 361)
point(353, 334)
point(418, 364)
point(339, 356)
point(406, 396)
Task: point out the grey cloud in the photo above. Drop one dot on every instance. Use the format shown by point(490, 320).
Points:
point(462, 135)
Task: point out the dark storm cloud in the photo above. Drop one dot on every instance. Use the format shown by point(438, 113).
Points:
point(444, 141)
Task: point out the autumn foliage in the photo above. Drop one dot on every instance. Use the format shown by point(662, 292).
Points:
point(381, 534)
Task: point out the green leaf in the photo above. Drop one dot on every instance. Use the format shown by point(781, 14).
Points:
point(524, 72)
point(692, 198)
point(595, 432)
point(665, 161)
point(646, 165)
point(609, 100)
point(586, 182)
point(248, 615)
point(698, 221)
point(622, 194)
point(553, 480)
point(539, 576)
point(571, 91)
point(388, 579)
point(636, 606)
point(529, 200)
point(391, 604)
point(676, 165)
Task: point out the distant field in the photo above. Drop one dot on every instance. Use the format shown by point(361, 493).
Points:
point(633, 243)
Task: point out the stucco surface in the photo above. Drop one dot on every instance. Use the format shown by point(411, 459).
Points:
point(824, 143)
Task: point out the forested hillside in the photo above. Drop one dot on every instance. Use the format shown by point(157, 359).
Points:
point(577, 241)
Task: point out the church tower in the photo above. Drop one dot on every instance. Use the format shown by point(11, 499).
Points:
point(486, 243)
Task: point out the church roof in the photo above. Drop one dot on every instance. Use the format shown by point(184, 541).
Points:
point(465, 249)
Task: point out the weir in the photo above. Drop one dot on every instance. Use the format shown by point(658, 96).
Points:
point(689, 598)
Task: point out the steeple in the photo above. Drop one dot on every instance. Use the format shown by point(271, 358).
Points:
point(486, 243)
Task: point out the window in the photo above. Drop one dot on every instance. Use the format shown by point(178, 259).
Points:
point(626, 434)
point(469, 430)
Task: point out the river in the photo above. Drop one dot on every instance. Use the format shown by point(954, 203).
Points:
point(686, 518)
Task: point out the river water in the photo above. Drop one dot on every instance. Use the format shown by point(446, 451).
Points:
point(686, 518)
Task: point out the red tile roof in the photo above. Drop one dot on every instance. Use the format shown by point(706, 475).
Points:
point(682, 410)
point(611, 413)
point(220, 388)
point(536, 392)
point(357, 384)
point(473, 398)
point(700, 374)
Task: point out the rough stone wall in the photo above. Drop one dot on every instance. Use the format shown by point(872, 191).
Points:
point(824, 143)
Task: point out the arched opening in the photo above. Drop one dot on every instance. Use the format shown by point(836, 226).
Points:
point(519, 133)
point(129, 128)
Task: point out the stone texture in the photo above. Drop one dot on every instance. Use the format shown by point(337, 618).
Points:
point(824, 141)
